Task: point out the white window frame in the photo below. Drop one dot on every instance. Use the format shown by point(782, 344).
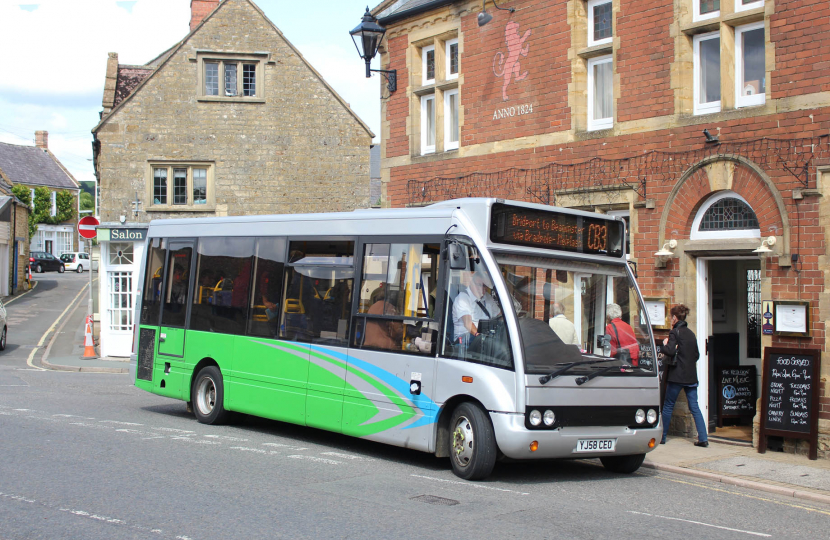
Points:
point(424, 148)
point(696, 234)
point(739, 6)
point(448, 59)
point(450, 145)
point(591, 41)
point(210, 202)
point(696, 16)
point(424, 51)
point(595, 124)
point(713, 106)
point(257, 59)
point(115, 309)
point(740, 100)
point(32, 197)
point(53, 198)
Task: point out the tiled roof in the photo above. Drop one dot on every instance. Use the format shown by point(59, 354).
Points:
point(32, 166)
point(128, 78)
point(403, 6)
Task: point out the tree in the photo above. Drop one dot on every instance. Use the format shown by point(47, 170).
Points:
point(42, 212)
point(87, 202)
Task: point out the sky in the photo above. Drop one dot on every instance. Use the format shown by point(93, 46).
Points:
point(54, 56)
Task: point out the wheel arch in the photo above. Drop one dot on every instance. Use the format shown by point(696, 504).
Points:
point(203, 363)
point(442, 426)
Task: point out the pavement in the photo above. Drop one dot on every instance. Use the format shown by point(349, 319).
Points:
point(788, 475)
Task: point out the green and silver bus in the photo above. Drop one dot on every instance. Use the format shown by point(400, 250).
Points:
point(474, 329)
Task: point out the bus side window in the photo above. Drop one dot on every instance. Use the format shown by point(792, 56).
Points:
point(266, 294)
point(176, 287)
point(319, 278)
point(223, 276)
point(397, 298)
point(153, 277)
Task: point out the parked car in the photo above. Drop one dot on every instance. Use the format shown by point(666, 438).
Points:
point(3, 325)
point(41, 261)
point(76, 261)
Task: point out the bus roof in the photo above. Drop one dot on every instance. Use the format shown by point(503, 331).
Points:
point(434, 219)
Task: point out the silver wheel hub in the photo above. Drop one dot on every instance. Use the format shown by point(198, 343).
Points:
point(206, 396)
point(463, 441)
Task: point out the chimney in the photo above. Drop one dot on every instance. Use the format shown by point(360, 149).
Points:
point(42, 140)
point(199, 9)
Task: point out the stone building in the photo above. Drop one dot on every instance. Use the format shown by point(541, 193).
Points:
point(704, 124)
point(14, 241)
point(232, 120)
point(34, 167)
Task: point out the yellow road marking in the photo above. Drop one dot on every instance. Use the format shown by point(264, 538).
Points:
point(54, 324)
point(21, 295)
point(800, 507)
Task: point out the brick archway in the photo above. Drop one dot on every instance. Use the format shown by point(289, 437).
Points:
point(719, 173)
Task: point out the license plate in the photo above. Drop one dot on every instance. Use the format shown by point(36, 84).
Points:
point(596, 445)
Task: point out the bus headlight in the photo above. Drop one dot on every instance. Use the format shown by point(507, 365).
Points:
point(535, 417)
point(652, 416)
point(549, 418)
point(640, 416)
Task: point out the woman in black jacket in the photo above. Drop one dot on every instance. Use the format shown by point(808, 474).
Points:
point(681, 345)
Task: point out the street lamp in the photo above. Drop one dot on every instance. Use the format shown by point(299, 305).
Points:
point(367, 37)
point(484, 17)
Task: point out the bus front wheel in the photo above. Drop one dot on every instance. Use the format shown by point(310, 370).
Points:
point(472, 442)
point(623, 464)
point(208, 395)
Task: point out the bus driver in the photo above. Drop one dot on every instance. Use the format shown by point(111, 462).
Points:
point(471, 306)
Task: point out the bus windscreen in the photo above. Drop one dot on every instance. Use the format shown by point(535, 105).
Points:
point(553, 230)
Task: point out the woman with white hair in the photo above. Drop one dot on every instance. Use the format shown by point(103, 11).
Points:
point(622, 335)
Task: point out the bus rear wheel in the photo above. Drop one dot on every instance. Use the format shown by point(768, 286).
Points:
point(208, 396)
point(472, 442)
point(623, 464)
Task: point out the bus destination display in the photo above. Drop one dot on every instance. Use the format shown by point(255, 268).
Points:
point(553, 230)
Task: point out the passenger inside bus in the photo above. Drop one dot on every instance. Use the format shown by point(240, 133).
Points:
point(624, 344)
point(563, 327)
point(383, 333)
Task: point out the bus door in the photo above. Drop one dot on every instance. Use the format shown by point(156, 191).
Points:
point(390, 379)
point(175, 299)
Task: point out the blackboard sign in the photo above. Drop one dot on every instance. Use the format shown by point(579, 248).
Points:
point(789, 404)
point(737, 393)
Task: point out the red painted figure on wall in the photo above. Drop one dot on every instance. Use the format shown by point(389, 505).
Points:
point(509, 67)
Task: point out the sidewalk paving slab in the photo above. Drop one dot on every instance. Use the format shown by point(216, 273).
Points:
point(790, 475)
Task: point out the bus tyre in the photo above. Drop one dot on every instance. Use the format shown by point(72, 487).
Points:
point(208, 395)
point(472, 442)
point(623, 464)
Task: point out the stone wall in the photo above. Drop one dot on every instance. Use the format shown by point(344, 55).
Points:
point(19, 228)
point(300, 149)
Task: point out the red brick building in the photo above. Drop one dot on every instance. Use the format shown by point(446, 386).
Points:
point(602, 105)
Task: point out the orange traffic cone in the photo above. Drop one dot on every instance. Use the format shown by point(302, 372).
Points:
point(89, 347)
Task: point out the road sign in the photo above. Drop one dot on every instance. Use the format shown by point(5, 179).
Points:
point(86, 227)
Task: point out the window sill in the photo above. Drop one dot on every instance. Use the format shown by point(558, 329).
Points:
point(701, 27)
point(596, 50)
point(182, 208)
point(234, 99)
point(745, 17)
point(430, 88)
point(435, 156)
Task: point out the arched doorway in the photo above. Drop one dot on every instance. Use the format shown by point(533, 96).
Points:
point(729, 300)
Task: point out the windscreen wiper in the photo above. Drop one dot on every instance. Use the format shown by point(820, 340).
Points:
point(582, 380)
point(545, 378)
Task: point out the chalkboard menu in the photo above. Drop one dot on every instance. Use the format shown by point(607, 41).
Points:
point(789, 404)
point(737, 393)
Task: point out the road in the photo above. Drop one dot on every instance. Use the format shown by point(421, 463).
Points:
point(86, 455)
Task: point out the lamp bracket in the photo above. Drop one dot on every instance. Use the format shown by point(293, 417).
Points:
point(391, 76)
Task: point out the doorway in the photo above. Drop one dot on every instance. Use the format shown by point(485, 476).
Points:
point(47, 246)
point(729, 335)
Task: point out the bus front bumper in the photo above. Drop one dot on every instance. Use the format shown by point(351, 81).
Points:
point(514, 439)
